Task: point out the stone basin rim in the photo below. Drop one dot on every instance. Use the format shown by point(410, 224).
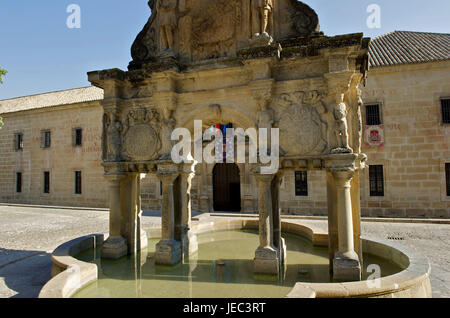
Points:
point(70, 275)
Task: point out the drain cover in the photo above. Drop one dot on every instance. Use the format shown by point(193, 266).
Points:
point(395, 238)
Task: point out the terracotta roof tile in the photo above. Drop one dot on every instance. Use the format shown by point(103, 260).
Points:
point(66, 97)
point(405, 47)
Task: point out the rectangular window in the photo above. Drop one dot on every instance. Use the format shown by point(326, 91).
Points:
point(301, 183)
point(46, 139)
point(19, 182)
point(447, 177)
point(376, 176)
point(445, 103)
point(77, 182)
point(373, 115)
point(46, 182)
point(19, 141)
point(78, 137)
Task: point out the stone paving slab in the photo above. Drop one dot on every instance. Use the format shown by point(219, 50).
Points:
point(29, 234)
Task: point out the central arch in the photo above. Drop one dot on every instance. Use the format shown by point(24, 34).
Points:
point(226, 187)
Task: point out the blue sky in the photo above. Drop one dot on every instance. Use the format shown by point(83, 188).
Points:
point(42, 54)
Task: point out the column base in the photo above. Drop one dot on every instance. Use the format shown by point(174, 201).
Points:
point(190, 244)
point(266, 261)
point(168, 252)
point(346, 267)
point(114, 248)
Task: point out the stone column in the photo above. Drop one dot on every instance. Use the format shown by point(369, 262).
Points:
point(188, 238)
point(332, 219)
point(278, 241)
point(115, 246)
point(266, 259)
point(168, 250)
point(346, 265)
point(142, 241)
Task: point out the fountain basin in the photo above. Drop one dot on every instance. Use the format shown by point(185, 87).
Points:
point(71, 275)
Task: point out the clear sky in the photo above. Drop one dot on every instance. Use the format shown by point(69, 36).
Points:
point(42, 54)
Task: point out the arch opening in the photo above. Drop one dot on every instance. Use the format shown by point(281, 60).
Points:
point(226, 187)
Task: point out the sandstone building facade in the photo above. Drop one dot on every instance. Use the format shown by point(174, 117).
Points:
point(51, 149)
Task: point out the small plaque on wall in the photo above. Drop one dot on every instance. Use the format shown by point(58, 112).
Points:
point(374, 136)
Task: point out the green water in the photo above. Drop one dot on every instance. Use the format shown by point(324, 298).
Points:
point(223, 267)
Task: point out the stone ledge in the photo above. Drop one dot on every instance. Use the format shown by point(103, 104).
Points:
point(69, 274)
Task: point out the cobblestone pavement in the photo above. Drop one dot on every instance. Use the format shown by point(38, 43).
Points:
point(29, 235)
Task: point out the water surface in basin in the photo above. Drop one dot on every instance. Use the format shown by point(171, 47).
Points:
point(223, 267)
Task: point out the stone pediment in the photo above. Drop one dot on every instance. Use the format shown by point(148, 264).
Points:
point(195, 30)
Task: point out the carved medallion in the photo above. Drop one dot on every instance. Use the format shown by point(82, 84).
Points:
point(141, 140)
point(302, 130)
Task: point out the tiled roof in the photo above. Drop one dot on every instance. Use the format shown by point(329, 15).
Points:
point(66, 97)
point(404, 47)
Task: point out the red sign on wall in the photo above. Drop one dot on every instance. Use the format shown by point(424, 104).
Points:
point(374, 136)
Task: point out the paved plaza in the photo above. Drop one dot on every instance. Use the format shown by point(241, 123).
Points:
point(28, 235)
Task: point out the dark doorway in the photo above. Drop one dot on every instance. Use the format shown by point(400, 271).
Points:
point(226, 187)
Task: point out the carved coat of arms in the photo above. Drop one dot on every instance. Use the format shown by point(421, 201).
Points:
point(302, 130)
point(141, 139)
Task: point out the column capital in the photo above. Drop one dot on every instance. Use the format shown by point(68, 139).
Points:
point(343, 177)
point(168, 171)
point(168, 177)
point(114, 178)
point(264, 178)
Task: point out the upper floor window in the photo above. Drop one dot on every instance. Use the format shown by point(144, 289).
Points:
point(376, 178)
point(445, 104)
point(18, 142)
point(46, 139)
point(447, 177)
point(78, 137)
point(301, 183)
point(373, 115)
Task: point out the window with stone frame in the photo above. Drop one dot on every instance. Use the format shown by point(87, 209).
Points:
point(376, 179)
point(301, 183)
point(78, 189)
point(447, 178)
point(373, 115)
point(77, 137)
point(445, 105)
point(47, 182)
point(18, 141)
point(19, 182)
point(46, 139)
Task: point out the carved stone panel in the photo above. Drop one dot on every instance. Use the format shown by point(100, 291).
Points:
point(141, 139)
point(302, 129)
point(214, 29)
point(141, 142)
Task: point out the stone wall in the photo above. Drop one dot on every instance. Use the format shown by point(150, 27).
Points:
point(416, 142)
point(62, 159)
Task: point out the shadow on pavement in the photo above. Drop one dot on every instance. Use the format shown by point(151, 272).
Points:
point(24, 273)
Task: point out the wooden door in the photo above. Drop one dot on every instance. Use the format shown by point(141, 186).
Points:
point(226, 188)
